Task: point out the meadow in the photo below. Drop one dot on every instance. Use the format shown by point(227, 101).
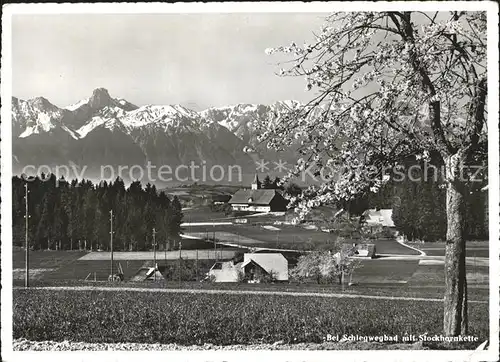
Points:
point(63, 266)
point(287, 237)
point(222, 319)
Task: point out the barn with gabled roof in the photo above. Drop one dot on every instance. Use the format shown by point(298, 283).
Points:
point(258, 200)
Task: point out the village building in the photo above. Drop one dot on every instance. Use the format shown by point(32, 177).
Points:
point(258, 200)
point(220, 199)
point(357, 249)
point(254, 268)
point(378, 218)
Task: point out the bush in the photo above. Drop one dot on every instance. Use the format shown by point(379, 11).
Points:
point(187, 269)
point(211, 278)
point(240, 276)
point(325, 267)
point(225, 208)
point(270, 277)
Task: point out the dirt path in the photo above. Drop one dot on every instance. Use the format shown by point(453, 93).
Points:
point(247, 292)
point(422, 253)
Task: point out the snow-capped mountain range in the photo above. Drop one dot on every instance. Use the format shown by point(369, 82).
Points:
point(101, 130)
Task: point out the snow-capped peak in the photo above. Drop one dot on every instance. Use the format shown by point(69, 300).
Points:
point(75, 106)
point(101, 110)
point(94, 123)
point(35, 116)
point(292, 104)
point(100, 99)
point(169, 115)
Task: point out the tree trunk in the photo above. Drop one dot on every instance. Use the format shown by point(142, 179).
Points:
point(455, 296)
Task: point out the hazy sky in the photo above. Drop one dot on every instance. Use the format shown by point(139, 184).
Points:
point(198, 60)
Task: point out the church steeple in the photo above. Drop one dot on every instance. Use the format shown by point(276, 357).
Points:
point(256, 183)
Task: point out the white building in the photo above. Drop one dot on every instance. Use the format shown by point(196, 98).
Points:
point(254, 268)
point(381, 217)
point(257, 199)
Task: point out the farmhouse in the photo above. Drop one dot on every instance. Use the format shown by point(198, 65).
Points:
point(257, 199)
point(381, 217)
point(254, 268)
point(359, 250)
point(225, 271)
point(220, 199)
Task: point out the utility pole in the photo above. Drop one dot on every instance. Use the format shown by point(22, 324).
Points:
point(166, 257)
point(180, 248)
point(167, 247)
point(111, 241)
point(215, 248)
point(154, 252)
point(26, 216)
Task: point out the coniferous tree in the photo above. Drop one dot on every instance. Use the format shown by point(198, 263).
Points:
point(175, 220)
point(44, 232)
point(267, 183)
point(18, 211)
point(89, 218)
point(72, 215)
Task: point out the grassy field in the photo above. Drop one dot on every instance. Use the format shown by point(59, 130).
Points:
point(291, 237)
point(99, 269)
point(470, 252)
point(197, 195)
point(186, 319)
point(371, 271)
point(385, 271)
point(434, 275)
point(45, 259)
point(473, 248)
point(220, 253)
point(202, 214)
point(380, 271)
point(413, 290)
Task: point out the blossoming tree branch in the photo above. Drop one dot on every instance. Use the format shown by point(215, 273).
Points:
point(388, 85)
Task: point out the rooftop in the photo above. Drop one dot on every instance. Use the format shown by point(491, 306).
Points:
point(254, 197)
